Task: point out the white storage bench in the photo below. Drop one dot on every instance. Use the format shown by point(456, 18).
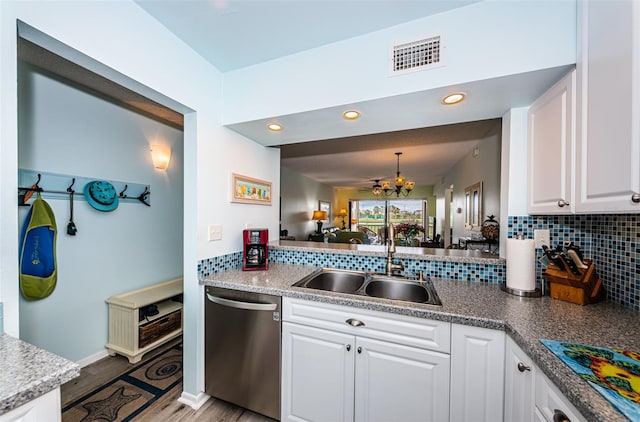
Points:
point(131, 336)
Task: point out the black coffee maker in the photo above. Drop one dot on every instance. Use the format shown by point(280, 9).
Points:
point(255, 250)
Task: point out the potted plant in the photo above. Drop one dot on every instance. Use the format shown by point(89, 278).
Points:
point(409, 231)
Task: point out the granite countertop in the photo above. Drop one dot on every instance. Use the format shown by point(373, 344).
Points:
point(431, 254)
point(29, 372)
point(525, 320)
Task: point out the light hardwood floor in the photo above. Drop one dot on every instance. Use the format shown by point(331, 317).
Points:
point(167, 408)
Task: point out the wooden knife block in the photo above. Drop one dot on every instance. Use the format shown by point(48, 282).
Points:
point(580, 289)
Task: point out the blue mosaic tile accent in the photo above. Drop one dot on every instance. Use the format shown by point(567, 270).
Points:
point(612, 241)
point(219, 263)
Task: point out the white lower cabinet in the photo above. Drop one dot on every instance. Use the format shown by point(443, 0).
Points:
point(529, 395)
point(477, 373)
point(551, 405)
point(44, 408)
point(347, 364)
point(317, 374)
point(400, 383)
point(519, 384)
point(362, 365)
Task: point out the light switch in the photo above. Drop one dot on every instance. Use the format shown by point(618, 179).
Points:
point(215, 232)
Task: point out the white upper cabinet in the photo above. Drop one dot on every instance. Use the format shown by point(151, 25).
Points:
point(608, 133)
point(584, 133)
point(551, 123)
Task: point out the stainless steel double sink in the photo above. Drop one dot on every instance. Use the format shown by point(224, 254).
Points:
point(372, 285)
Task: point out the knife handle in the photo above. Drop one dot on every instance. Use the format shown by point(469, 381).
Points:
point(576, 259)
point(572, 265)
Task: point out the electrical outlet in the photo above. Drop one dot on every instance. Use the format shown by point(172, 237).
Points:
point(215, 232)
point(541, 237)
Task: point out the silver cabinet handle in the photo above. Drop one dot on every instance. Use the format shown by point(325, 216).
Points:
point(359, 349)
point(559, 416)
point(635, 197)
point(562, 203)
point(522, 367)
point(348, 347)
point(355, 322)
point(251, 306)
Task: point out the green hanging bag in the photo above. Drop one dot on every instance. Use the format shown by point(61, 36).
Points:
point(38, 269)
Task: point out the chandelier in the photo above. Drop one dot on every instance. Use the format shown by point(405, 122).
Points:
point(401, 185)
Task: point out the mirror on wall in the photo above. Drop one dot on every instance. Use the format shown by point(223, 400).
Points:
point(435, 158)
point(473, 207)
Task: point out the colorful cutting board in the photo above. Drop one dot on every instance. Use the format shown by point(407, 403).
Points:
point(613, 373)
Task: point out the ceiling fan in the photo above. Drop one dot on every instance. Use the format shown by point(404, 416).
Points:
point(376, 182)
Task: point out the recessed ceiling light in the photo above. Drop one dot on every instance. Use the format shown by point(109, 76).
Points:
point(453, 98)
point(351, 114)
point(274, 127)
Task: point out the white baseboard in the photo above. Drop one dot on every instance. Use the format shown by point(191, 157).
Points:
point(195, 402)
point(93, 358)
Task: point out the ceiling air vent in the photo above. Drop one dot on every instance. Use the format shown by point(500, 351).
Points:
point(417, 55)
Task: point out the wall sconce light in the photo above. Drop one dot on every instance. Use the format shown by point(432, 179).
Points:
point(160, 155)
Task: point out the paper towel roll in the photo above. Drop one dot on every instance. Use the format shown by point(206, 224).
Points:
point(521, 264)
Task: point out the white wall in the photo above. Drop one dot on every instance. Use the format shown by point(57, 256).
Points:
point(484, 40)
point(65, 130)
point(125, 43)
point(469, 170)
point(300, 196)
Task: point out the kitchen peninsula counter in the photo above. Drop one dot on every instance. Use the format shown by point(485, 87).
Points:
point(29, 372)
point(525, 320)
point(432, 254)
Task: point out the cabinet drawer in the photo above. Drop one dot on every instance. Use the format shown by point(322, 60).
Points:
point(156, 329)
point(402, 329)
point(549, 400)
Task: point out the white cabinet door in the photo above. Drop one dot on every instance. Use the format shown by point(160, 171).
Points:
point(550, 401)
point(519, 384)
point(608, 138)
point(400, 383)
point(43, 408)
point(477, 373)
point(551, 129)
point(317, 374)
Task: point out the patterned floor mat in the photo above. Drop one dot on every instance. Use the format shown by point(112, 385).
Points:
point(126, 396)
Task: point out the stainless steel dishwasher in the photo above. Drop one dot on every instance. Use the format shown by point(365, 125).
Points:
point(242, 349)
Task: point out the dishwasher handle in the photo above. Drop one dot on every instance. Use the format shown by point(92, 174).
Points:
point(251, 306)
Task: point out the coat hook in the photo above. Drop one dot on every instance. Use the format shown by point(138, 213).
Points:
point(70, 188)
point(122, 195)
point(34, 188)
point(143, 196)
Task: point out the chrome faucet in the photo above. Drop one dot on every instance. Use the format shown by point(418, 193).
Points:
point(391, 267)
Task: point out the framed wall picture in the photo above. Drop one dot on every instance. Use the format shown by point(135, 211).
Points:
point(325, 206)
point(248, 190)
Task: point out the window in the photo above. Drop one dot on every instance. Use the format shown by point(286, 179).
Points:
point(372, 216)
